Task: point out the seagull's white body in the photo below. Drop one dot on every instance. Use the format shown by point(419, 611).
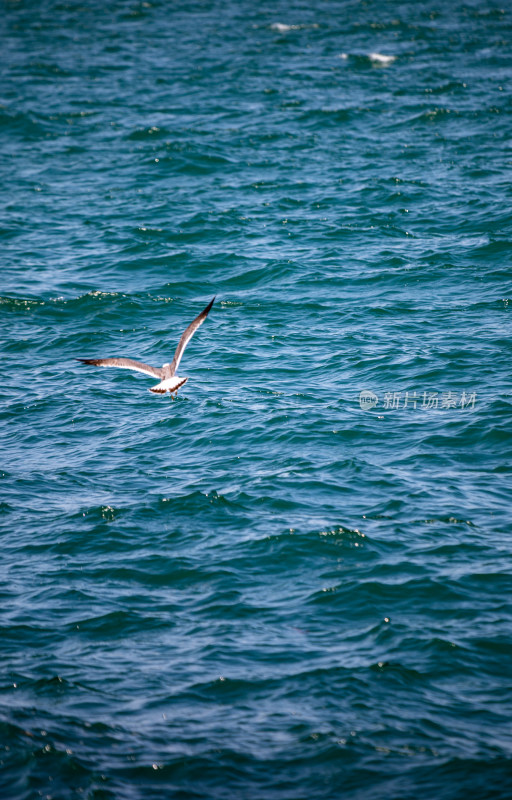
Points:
point(169, 385)
point(169, 381)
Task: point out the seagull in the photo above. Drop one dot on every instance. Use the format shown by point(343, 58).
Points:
point(169, 381)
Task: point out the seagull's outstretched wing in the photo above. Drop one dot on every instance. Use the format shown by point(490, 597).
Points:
point(186, 337)
point(124, 363)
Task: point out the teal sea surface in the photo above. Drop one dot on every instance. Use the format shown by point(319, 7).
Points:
point(293, 580)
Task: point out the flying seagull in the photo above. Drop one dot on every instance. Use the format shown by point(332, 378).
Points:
point(169, 381)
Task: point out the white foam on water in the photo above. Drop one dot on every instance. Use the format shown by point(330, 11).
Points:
point(379, 58)
point(280, 27)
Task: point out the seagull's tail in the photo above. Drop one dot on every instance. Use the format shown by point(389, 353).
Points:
point(169, 385)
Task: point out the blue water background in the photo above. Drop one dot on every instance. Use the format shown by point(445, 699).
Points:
point(257, 590)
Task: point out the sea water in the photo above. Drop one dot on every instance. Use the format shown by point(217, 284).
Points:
point(292, 581)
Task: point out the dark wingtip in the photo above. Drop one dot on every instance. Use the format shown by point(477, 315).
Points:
point(88, 360)
point(210, 304)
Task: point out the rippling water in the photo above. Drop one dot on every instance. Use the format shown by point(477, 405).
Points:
point(269, 587)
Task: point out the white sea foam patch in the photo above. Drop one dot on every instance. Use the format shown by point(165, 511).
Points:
point(281, 27)
point(379, 58)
